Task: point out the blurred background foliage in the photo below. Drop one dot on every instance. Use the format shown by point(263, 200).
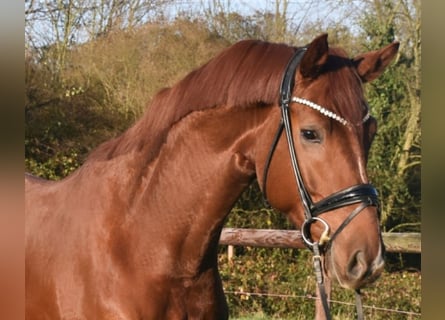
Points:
point(92, 66)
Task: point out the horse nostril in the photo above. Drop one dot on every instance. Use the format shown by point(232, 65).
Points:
point(357, 267)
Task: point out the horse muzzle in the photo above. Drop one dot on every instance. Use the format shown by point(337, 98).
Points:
point(357, 270)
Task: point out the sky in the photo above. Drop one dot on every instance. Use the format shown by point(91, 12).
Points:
point(328, 12)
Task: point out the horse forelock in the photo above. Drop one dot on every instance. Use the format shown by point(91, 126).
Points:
point(340, 87)
point(247, 73)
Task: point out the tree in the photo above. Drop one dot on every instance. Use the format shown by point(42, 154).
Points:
point(395, 99)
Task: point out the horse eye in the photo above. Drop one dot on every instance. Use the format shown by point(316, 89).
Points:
point(310, 135)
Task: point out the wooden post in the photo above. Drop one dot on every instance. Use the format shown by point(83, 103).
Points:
point(268, 238)
point(230, 249)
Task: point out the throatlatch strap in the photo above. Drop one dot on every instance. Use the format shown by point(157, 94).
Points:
point(270, 155)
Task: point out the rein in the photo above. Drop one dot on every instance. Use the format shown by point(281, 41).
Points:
point(364, 194)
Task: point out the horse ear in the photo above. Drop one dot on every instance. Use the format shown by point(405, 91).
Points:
point(315, 57)
point(371, 65)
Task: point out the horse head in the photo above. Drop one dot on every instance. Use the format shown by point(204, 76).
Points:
point(329, 131)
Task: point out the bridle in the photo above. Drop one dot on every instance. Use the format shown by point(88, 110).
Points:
point(363, 194)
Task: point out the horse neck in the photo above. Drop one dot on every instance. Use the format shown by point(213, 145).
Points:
point(204, 165)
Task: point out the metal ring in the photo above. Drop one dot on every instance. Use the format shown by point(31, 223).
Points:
point(305, 230)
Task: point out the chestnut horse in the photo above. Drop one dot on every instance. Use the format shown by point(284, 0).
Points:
point(133, 233)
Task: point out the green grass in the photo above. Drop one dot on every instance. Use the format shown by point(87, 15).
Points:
point(254, 317)
point(395, 296)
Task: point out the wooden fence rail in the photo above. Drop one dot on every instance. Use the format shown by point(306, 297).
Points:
point(269, 238)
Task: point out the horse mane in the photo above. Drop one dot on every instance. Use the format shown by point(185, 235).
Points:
point(247, 73)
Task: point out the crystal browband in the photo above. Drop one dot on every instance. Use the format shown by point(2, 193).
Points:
point(325, 111)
